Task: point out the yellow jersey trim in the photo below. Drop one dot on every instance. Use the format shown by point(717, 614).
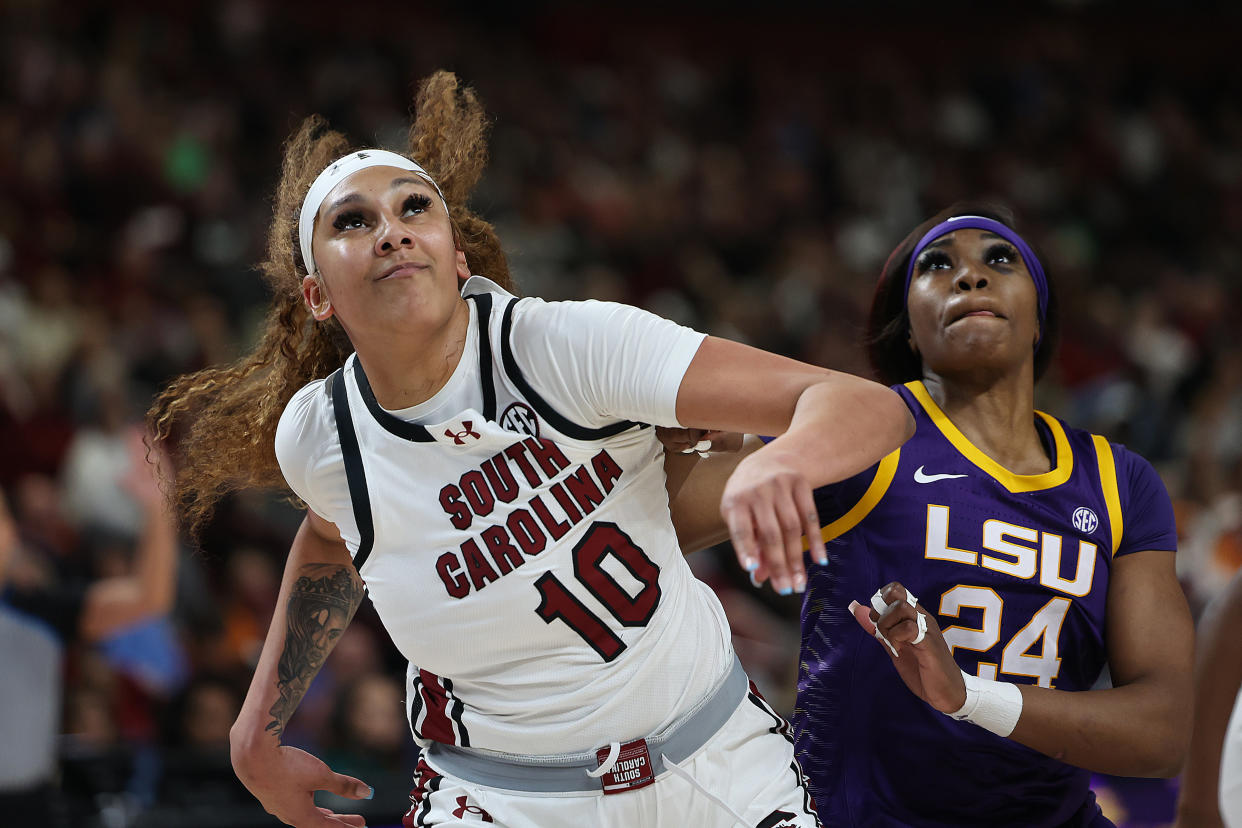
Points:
point(1013, 482)
point(884, 475)
point(1108, 481)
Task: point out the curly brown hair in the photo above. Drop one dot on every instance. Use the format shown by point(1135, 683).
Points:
point(225, 417)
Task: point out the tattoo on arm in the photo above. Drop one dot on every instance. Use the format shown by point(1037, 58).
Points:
point(323, 600)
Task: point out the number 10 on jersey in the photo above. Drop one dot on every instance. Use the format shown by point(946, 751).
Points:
point(602, 539)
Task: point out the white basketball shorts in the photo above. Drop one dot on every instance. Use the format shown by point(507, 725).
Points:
point(744, 776)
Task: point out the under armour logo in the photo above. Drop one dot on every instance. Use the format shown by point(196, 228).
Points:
point(778, 819)
point(364, 155)
point(463, 809)
point(459, 436)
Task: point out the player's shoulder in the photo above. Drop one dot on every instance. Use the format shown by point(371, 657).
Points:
point(306, 420)
point(1131, 469)
point(311, 401)
point(567, 316)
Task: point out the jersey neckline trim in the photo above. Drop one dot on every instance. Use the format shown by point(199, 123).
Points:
point(1015, 483)
point(413, 431)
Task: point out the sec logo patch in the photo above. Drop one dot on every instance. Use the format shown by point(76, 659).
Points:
point(521, 418)
point(1085, 520)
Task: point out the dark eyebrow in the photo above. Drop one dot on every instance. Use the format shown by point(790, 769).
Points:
point(352, 197)
point(342, 201)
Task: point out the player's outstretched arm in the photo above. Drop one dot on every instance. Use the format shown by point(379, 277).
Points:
point(1139, 727)
point(1218, 675)
point(830, 426)
point(319, 594)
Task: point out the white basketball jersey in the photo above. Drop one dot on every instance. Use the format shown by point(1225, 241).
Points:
point(524, 562)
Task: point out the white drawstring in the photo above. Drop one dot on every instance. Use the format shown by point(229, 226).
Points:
point(614, 751)
point(682, 772)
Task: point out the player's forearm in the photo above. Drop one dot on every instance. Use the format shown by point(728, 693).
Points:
point(319, 594)
point(1140, 729)
point(841, 426)
point(696, 509)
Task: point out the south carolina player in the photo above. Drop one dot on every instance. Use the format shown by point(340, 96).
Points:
point(481, 469)
point(1043, 553)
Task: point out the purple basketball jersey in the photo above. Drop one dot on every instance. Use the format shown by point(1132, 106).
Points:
point(1016, 568)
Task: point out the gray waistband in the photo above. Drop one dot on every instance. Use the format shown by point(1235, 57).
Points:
point(547, 775)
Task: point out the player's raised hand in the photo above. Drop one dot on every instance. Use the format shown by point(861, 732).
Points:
point(918, 650)
point(769, 508)
point(285, 780)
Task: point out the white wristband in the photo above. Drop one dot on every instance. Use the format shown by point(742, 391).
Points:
point(993, 705)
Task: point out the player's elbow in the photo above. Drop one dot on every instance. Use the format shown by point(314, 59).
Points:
point(1170, 754)
point(890, 413)
point(1166, 764)
point(1166, 744)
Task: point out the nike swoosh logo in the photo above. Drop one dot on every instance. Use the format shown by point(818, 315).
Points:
point(919, 477)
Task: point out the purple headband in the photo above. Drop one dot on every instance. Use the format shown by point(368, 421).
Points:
point(991, 225)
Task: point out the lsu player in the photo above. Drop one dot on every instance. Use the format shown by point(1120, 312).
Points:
point(479, 465)
point(1021, 554)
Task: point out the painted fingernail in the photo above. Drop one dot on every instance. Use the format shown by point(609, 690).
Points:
point(751, 564)
point(753, 582)
point(799, 584)
point(370, 793)
point(785, 590)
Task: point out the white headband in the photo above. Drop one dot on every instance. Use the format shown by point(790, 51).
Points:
point(334, 174)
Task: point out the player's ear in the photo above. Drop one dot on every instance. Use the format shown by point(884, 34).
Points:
point(316, 296)
point(463, 269)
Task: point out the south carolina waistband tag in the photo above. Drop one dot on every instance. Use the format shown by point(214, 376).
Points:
point(624, 767)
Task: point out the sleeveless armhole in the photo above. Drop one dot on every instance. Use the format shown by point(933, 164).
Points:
point(355, 475)
point(1108, 482)
point(555, 418)
point(885, 471)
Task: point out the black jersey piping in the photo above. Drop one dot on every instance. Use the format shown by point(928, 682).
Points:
point(355, 475)
point(554, 417)
point(483, 302)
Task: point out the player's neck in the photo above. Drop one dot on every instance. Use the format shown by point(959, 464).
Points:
point(409, 370)
point(997, 416)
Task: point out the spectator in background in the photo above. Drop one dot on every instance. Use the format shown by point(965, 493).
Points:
point(42, 616)
point(197, 786)
point(368, 738)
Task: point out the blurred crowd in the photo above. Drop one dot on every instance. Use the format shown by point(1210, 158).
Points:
point(744, 176)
